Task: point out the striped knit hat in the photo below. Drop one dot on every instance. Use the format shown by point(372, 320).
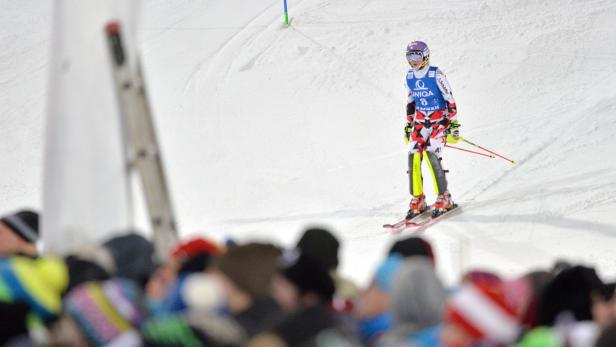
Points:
point(482, 311)
point(24, 224)
point(106, 310)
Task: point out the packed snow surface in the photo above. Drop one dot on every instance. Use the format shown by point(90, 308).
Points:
point(267, 129)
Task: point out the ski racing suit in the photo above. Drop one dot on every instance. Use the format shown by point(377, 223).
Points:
point(430, 109)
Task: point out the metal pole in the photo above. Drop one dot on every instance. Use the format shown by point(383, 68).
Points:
point(144, 151)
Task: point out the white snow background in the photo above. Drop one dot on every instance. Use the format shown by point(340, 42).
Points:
point(266, 129)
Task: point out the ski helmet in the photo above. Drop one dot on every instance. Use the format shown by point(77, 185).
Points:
point(418, 51)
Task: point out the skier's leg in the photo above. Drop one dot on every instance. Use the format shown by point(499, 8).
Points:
point(417, 146)
point(415, 179)
point(434, 150)
point(436, 169)
point(433, 155)
point(418, 202)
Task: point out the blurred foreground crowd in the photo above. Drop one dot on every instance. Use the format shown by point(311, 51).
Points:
point(261, 295)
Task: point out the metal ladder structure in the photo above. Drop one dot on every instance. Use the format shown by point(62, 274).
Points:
point(143, 151)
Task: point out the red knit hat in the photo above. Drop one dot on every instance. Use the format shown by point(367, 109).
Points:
point(191, 248)
point(483, 312)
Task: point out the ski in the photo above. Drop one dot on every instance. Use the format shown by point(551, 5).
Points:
point(401, 225)
point(419, 226)
point(421, 221)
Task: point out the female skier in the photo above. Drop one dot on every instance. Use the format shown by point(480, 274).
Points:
point(431, 122)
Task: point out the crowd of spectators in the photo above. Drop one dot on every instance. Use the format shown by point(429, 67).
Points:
point(262, 295)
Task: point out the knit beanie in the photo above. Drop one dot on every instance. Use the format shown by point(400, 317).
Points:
point(482, 311)
point(418, 295)
point(308, 275)
point(133, 257)
point(321, 245)
point(193, 247)
point(195, 255)
point(412, 246)
point(24, 223)
point(104, 311)
point(571, 290)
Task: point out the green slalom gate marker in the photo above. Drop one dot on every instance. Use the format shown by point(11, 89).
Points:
point(286, 14)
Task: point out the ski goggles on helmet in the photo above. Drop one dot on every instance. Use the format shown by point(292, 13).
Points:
point(414, 56)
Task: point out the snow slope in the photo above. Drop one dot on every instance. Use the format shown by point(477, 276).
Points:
point(266, 129)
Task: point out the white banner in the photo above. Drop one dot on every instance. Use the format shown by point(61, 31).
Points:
point(86, 195)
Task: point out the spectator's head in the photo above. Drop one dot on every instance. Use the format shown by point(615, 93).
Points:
point(376, 299)
point(417, 294)
point(133, 257)
point(479, 313)
point(246, 273)
point(82, 270)
point(194, 255)
point(128, 256)
point(537, 281)
point(321, 245)
point(413, 246)
point(302, 281)
point(19, 233)
point(576, 292)
point(100, 313)
point(373, 304)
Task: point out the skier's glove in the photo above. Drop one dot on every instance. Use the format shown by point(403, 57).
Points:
point(408, 129)
point(453, 132)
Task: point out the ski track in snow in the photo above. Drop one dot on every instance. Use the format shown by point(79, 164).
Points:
point(216, 58)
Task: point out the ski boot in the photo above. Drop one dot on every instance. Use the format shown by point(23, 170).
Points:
point(417, 206)
point(443, 204)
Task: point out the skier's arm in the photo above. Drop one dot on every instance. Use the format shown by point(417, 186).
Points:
point(410, 115)
point(410, 111)
point(410, 105)
point(445, 88)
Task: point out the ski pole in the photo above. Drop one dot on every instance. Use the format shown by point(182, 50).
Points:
point(487, 150)
point(469, 151)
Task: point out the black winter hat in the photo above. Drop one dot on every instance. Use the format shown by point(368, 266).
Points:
point(133, 257)
point(81, 271)
point(24, 223)
point(412, 246)
point(321, 245)
point(308, 275)
point(571, 291)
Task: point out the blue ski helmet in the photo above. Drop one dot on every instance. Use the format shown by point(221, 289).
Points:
point(418, 51)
